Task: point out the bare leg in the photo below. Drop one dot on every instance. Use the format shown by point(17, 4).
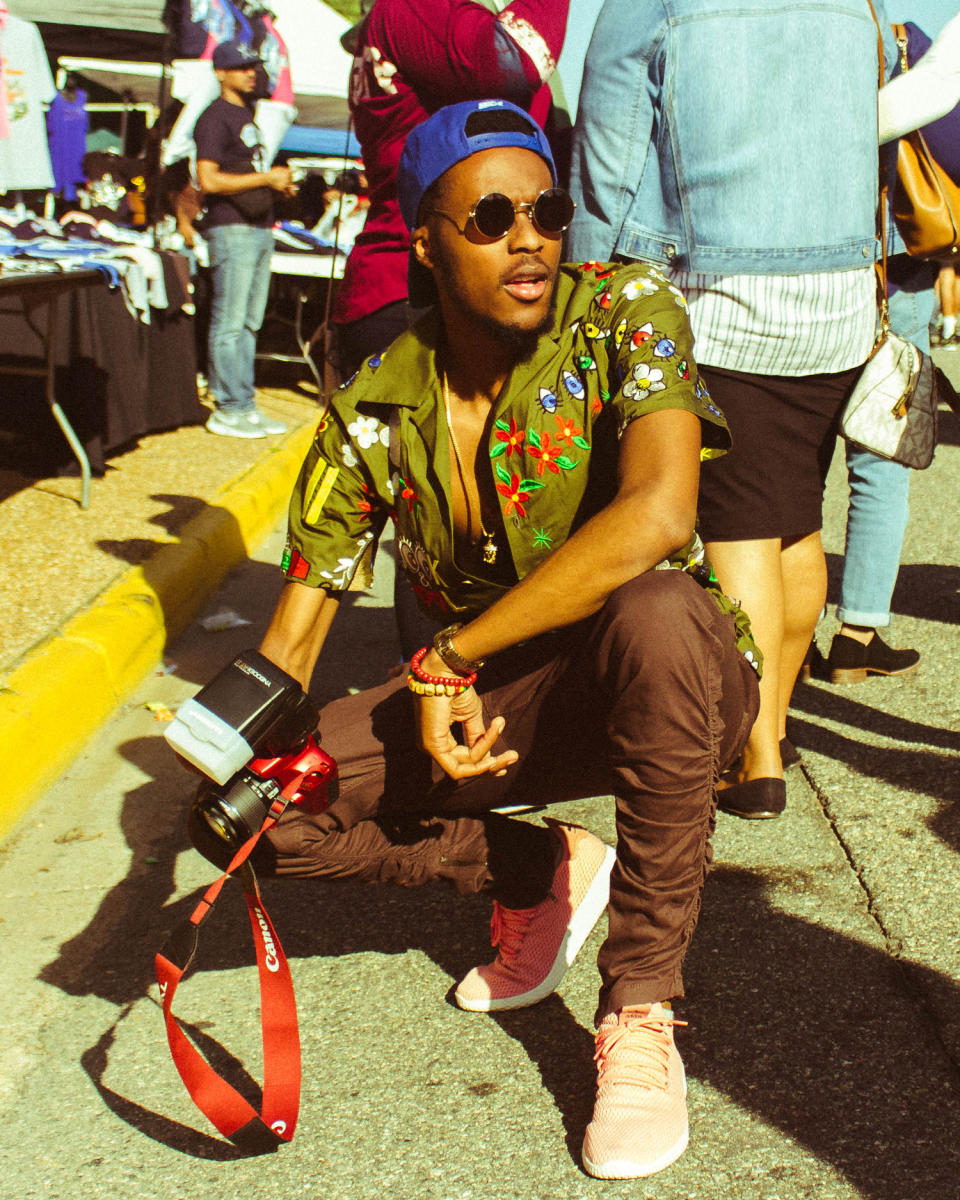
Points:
point(751, 572)
point(804, 568)
point(783, 591)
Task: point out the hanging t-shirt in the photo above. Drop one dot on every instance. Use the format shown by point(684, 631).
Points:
point(205, 23)
point(24, 155)
point(67, 122)
point(226, 135)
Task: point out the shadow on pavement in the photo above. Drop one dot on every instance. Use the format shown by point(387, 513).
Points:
point(908, 767)
point(803, 1027)
point(831, 705)
point(161, 1129)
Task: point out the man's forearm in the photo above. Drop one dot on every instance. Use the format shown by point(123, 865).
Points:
point(577, 579)
point(298, 630)
point(215, 182)
point(219, 183)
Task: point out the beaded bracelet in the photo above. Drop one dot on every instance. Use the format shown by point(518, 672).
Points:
point(434, 689)
point(422, 684)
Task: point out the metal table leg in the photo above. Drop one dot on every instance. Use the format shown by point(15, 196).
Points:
point(60, 416)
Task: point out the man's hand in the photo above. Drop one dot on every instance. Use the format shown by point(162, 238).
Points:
point(280, 179)
point(436, 716)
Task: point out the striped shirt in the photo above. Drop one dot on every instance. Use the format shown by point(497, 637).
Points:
point(781, 324)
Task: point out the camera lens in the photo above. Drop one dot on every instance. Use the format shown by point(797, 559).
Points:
point(219, 824)
point(234, 812)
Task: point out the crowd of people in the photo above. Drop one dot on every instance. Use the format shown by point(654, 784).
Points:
point(598, 391)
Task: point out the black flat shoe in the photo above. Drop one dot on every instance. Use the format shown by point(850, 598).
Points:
point(755, 799)
point(850, 661)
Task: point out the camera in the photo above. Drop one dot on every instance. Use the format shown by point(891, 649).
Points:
point(252, 732)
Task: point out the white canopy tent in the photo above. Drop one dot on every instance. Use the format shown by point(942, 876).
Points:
point(311, 29)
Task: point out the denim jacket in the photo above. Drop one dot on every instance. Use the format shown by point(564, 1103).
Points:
point(730, 136)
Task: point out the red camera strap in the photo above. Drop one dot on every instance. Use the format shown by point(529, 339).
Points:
point(229, 1112)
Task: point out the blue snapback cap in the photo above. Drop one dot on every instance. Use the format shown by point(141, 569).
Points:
point(441, 141)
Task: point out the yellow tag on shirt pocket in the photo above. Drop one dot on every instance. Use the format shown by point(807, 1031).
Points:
point(321, 481)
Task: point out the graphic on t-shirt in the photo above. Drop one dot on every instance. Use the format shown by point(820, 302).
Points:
point(250, 136)
point(18, 105)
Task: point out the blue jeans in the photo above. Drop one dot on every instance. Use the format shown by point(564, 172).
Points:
point(879, 506)
point(239, 283)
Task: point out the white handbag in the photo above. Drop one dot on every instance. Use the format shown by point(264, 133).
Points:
point(892, 410)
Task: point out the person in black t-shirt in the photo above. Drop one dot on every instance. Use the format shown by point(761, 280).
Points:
point(240, 190)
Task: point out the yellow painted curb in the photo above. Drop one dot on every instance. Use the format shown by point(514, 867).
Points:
point(59, 696)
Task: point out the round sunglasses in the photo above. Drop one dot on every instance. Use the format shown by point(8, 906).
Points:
point(493, 215)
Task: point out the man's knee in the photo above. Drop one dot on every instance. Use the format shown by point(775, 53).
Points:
point(656, 618)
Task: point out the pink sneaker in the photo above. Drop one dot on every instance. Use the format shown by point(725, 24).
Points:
point(639, 1121)
point(537, 945)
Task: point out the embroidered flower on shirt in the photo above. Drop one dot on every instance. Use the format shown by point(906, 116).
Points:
point(542, 539)
point(349, 458)
point(544, 453)
point(570, 433)
point(645, 379)
point(407, 493)
point(639, 287)
point(516, 490)
point(509, 439)
point(367, 431)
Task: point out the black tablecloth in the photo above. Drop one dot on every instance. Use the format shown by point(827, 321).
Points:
point(116, 377)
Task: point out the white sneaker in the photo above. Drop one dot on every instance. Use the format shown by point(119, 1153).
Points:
point(267, 424)
point(238, 425)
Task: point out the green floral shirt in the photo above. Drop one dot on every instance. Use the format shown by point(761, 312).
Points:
point(620, 348)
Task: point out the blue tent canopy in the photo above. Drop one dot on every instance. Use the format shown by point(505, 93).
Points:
point(307, 139)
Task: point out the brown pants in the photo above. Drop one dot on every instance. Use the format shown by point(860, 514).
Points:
point(649, 700)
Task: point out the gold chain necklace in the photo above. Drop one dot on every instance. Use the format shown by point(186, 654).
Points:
point(489, 550)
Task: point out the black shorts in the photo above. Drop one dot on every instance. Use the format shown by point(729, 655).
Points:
point(784, 430)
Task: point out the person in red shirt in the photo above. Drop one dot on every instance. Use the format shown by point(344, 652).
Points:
point(411, 58)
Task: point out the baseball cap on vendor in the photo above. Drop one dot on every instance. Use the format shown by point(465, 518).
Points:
point(445, 138)
point(234, 55)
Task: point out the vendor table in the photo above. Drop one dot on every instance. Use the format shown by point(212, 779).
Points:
point(303, 266)
point(45, 290)
point(108, 377)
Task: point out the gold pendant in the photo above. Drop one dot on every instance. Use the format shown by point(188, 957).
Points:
point(489, 550)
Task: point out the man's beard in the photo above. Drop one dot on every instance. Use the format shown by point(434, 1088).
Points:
point(520, 342)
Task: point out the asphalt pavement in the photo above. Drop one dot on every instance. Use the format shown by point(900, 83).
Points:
point(823, 1006)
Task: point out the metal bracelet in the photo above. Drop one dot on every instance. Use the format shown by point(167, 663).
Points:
point(443, 644)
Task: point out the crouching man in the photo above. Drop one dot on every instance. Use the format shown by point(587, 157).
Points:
point(537, 440)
